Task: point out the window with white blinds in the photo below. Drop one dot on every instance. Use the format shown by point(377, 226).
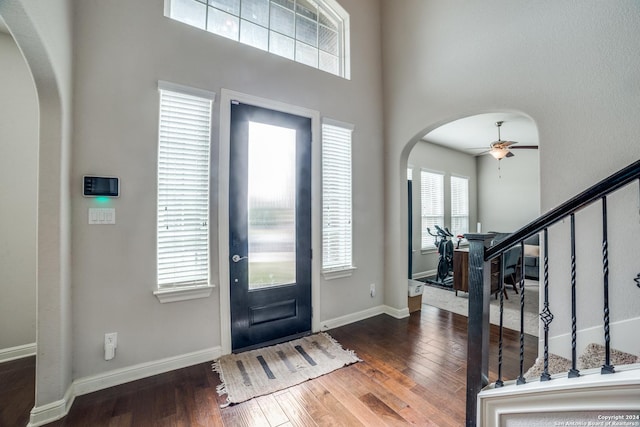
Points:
point(432, 204)
point(459, 205)
point(336, 197)
point(183, 188)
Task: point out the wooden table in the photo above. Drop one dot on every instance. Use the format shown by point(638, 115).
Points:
point(461, 271)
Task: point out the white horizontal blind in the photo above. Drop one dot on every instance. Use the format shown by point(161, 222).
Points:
point(459, 205)
point(336, 198)
point(432, 204)
point(183, 189)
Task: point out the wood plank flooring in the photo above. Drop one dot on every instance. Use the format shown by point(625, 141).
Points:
point(412, 372)
point(17, 391)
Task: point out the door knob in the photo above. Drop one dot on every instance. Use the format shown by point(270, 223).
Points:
point(237, 258)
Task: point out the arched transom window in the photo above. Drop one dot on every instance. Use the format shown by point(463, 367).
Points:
point(312, 32)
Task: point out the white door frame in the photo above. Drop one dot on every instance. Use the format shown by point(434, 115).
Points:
point(223, 205)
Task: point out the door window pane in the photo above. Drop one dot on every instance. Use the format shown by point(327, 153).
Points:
point(222, 24)
point(306, 54)
point(230, 6)
point(271, 205)
point(254, 35)
point(306, 30)
point(328, 40)
point(282, 20)
point(256, 11)
point(190, 12)
point(281, 45)
point(329, 63)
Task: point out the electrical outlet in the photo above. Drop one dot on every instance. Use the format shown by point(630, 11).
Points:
point(110, 345)
point(111, 339)
point(372, 290)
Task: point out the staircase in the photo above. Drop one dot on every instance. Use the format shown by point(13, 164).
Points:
point(606, 395)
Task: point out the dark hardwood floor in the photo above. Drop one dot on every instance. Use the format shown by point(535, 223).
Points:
point(412, 372)
point(17, 391)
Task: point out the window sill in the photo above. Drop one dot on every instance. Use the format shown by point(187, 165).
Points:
point(338, 274)
point(183, 293)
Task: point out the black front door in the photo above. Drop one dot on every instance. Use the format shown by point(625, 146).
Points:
point(269, 226)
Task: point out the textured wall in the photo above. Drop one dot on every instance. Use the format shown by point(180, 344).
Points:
point(572, 67)
point(18, 187)
point(123, 48)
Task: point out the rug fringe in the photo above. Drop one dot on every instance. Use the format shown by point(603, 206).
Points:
point(221, 388)
point(337, 344)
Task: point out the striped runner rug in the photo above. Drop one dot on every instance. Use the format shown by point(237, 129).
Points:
point(258, 372)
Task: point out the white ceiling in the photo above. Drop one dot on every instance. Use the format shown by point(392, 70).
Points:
point(474, 134)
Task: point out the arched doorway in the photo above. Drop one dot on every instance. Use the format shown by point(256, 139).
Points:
point(457, 185)
point(30, 23)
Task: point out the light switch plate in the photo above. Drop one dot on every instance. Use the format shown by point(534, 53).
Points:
point(102, 216)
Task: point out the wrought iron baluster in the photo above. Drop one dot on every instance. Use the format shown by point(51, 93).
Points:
point(546, 316)
point(499, 382)
point(607, 368)
point(521, 379)
point(573, 372)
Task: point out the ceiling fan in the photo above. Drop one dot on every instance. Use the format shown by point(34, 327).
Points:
point(500, 149)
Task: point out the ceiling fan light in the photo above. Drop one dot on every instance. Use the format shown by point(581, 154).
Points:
point(499, 153)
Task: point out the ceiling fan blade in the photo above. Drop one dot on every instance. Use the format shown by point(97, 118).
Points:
point(510, 154)
point(526, 147)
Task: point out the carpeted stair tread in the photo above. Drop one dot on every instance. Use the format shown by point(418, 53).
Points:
point(592, 357)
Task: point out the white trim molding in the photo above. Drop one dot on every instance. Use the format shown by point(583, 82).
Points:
point(183, 293)
point(364, 314)
point(17, 352)
point(226, 97)
point(591, 392)
point(50, 412)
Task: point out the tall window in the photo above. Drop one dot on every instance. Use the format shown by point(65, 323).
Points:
point(336, 197)
point(183, 187)
point(459, 205)
point(432, 197)
point(313, 32)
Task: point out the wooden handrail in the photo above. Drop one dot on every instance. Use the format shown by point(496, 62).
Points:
point(597, 191)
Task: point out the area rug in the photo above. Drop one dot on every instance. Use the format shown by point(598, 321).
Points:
point(447, 300)
point(266, 370)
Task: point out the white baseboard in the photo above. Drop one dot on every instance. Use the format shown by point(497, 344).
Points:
point(423, 274)
point(364, 314)
point(53, 411)
point(17, 352)
point(623, 337)
point(397, 313)
point(41, 415)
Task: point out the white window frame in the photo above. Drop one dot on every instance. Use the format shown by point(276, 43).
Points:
point(429, 214)
point(337, 199)
point(459, 208)
point(329, 7)
point(198, 285)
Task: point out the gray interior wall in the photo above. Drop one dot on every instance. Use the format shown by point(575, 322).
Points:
point(18, 187)
point(426, 155)
point(509, 197)
point(123, 49)
point(43, 31)
point(570, 68)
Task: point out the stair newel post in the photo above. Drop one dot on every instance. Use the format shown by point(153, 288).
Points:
point(607, 368)
point(478, 322)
